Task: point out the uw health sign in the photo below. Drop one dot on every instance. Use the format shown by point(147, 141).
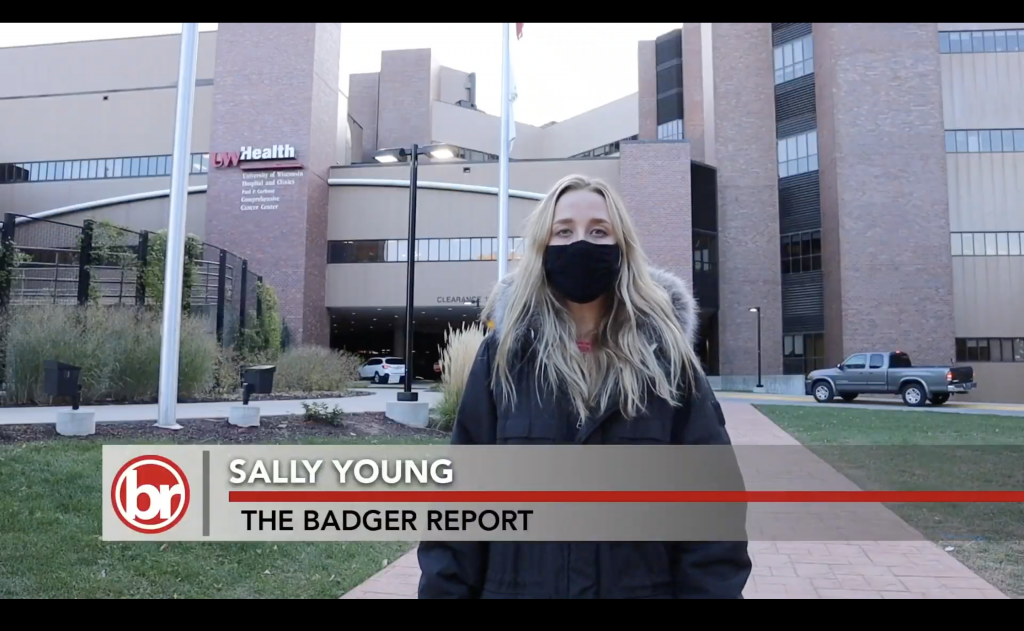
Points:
point(250, 158)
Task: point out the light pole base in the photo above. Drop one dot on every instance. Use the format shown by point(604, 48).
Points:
point(759, 389)
point(244, 416)
point(411, 413)
point(76, 423)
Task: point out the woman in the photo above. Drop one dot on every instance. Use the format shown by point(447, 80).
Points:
point(589, 345)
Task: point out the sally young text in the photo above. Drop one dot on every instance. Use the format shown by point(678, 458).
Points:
point(365, 471)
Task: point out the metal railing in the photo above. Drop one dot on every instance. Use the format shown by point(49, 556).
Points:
point(45, 262)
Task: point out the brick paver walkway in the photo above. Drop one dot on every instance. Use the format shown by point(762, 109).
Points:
point(846, 570)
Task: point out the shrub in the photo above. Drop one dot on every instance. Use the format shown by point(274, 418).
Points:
point(315, 369)
point(457, 356)
point(118, 349)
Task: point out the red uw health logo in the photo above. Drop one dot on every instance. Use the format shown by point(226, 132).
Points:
point(150, 494)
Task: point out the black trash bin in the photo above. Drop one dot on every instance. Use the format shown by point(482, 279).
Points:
point(257, 380)
point(61, 380)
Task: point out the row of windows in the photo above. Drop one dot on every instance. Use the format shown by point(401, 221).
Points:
point(611, 149)
point(802, 353)
point(798, 154)
point(985, 141)
point(987, 243)
point(472, 155)
point(139, 166)
point(794, 59)
point(801, 252)
point(981, 41)
point(986, 349)
point(397, 250)
point(672, 130)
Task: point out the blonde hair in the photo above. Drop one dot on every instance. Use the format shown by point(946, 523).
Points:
point(641, 342)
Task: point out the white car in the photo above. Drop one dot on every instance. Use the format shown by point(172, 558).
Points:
point(383, 370)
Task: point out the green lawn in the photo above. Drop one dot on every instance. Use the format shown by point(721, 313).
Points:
point(903, 450)
point(50, 543)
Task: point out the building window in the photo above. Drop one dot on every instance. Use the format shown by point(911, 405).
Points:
point(703, 251)
point(986, 243)
point(798, 154)
point(472, 155)
point(794, 59)
point(604, 151)
point(672, 130)
point(97, 169)
point(985, 141)
point(802, 353)
point(427, 250)
point(801, 252)
point(957, 42)
point(989, 349)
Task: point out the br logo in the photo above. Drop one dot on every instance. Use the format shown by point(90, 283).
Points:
point(150, 494)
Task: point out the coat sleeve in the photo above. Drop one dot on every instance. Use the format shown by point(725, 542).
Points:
point(456, 569)
point(711, 569)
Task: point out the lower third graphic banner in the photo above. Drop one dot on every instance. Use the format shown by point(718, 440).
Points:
point(504, 493)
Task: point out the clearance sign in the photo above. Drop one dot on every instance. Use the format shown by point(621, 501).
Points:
point(250, 158)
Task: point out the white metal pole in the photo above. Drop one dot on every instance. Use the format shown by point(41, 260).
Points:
point(170, 343)
point(506, 113)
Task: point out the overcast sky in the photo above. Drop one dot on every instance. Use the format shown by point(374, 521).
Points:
point(561, 70)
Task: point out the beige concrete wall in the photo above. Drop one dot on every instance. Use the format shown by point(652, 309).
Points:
point(986, 191)
point(473, 129)
point(115, 64)
point(600, 126)
point(74, 127)
point(998, 382)
point(149, 214)
point(382, 213)
point(452, 85)
point(33, 197)
point(988, 297)
point(477, 130)
point(647, 94)
point(983, 90)
point(383, 284)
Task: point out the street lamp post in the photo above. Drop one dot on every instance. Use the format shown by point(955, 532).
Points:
point(757, 310)
point(437, 152)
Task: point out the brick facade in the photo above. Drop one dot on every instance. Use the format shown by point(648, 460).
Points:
point(748, 197)
point(654, 181)
point(278, 84)
point(407, 78)
point(693, 90)
point(886, 258)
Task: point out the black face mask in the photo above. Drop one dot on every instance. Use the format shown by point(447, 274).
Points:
point(582, 271)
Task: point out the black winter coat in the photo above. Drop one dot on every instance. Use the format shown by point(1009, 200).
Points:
point(543, 570)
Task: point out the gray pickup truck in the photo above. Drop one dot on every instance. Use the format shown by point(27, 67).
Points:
point(889, 373)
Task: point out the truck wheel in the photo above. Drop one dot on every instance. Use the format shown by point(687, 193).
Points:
point(913, 395)
point(849, 397)
point(823, 392)
point(939, 399)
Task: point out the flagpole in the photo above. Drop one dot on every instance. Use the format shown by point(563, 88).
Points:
point(506, 113)
point(175, 257)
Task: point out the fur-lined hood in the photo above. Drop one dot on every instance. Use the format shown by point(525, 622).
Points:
point(682, 299)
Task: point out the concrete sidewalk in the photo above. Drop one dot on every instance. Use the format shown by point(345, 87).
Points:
point(783, 570)
point(374, 402)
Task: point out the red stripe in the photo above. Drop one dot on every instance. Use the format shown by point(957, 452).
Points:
point(519, 30)
point(630, 497)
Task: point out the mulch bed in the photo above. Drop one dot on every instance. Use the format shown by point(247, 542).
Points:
point(218, 431)
point(212, 398)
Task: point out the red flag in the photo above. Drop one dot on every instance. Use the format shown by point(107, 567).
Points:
point(519, 30)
